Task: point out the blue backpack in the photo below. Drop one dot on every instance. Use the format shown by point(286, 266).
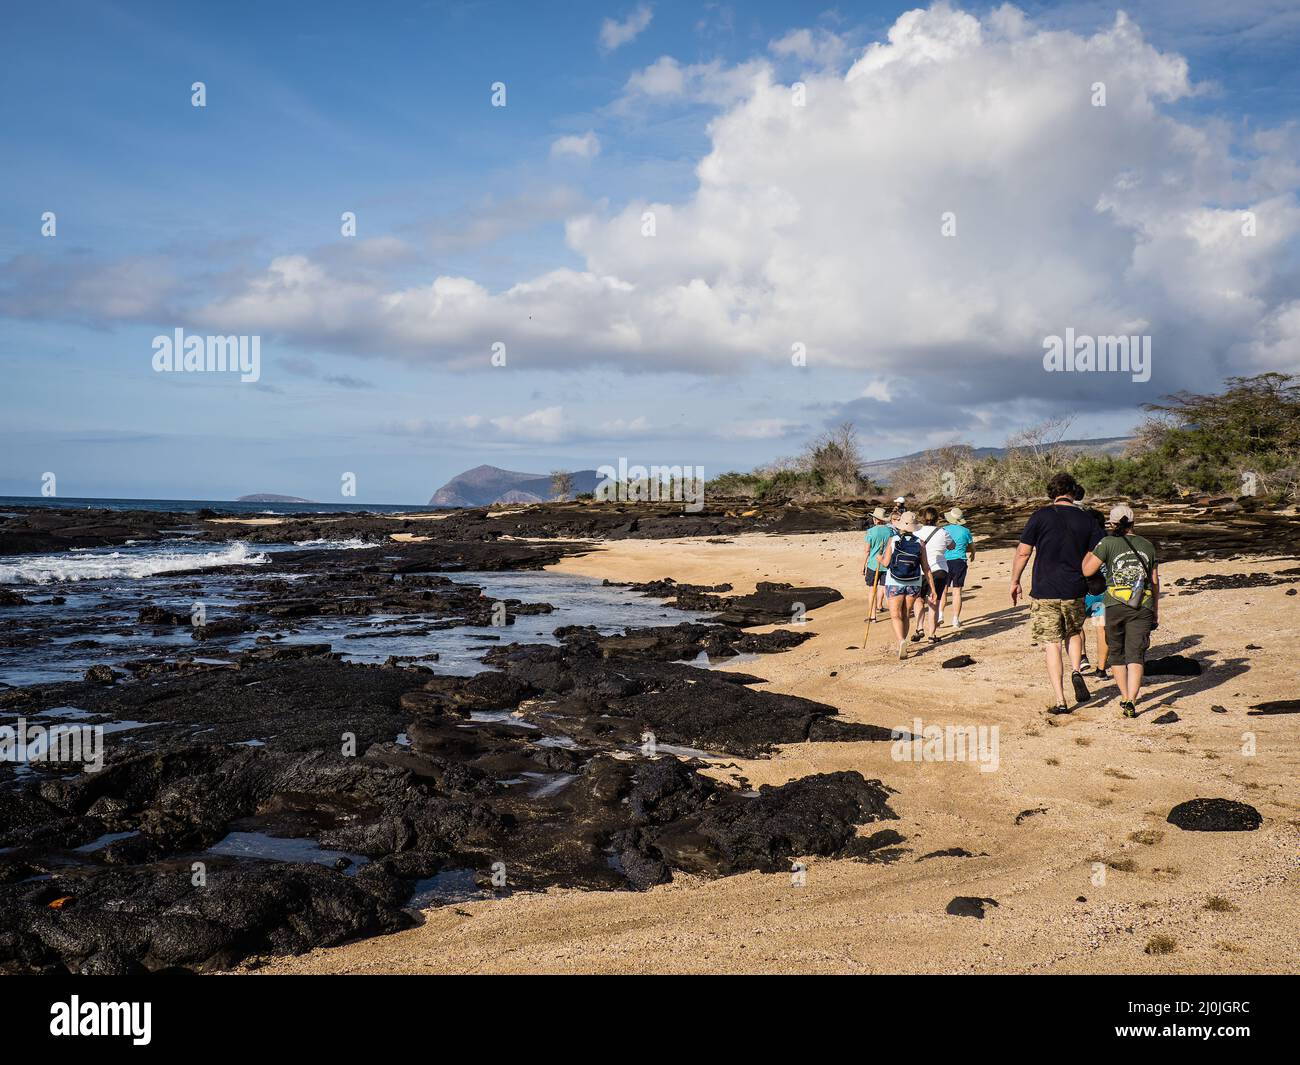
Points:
point(905, 562)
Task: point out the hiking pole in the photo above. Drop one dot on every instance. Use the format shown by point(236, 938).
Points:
point(871, 607)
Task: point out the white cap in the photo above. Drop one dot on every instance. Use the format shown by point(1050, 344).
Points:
point(1121, 512)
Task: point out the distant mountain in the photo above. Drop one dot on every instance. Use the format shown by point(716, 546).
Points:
point(879, 470)
point(271, 497)
point(484, 485)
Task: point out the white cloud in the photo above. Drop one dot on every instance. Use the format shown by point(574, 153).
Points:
point(761, 429)
point(818, 47)
point(615, 34)
point(712, 83)
point(822, 225)
point(540, 426)
point(586, 146)
point(546, 425)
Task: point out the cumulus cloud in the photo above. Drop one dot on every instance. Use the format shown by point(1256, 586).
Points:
point(584, 146)
point(615, 34)
point(940, 203)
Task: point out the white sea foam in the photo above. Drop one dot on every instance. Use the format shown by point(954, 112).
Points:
point(354, 544)
point(47, 569)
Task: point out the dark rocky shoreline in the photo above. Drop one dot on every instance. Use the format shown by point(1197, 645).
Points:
point(577, 764)
point(1201, 528)
point(544, 770)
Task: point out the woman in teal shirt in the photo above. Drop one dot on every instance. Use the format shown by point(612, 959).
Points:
point(959, 558)
point(880, 533)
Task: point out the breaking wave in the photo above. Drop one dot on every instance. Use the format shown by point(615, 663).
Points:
point(84, 566)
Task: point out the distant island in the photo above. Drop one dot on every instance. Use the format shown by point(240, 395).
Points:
point(484, 485)
point(271, 497)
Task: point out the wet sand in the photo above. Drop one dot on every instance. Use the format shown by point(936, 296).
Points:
point(1104, 786)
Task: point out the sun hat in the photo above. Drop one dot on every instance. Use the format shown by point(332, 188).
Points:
point(879, 514)
point(955, 516)
point(906, 522)
point(1121, 512)
point(900, 500)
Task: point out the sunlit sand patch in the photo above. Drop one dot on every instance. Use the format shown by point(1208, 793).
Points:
point(246, 521)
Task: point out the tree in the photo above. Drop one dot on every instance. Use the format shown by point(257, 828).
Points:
point(561, 484)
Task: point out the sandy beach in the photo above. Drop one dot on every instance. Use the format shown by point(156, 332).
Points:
point(1068, 835)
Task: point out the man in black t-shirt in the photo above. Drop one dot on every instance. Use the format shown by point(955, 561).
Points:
point(1061, 534)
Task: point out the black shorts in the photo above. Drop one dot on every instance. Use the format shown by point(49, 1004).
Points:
point(1128, 633)
point(940, 581)
point(957, 572)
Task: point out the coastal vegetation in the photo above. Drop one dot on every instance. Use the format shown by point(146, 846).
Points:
point(1241, 441)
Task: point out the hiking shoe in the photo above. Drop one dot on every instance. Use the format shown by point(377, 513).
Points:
point(1081, 693)
point(1062, 709)
point(1084, 665)
point(1128, 709)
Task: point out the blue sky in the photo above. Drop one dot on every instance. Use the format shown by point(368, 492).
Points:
point(475, 223)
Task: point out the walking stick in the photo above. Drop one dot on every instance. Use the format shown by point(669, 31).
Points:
point(871, 606)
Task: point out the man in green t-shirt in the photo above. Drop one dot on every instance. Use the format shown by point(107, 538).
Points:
point(1132, 600)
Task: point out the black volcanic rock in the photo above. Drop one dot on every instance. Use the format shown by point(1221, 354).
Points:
point(969, 906)
point(1214, 815)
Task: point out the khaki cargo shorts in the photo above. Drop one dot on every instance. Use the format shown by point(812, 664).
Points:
point(1055, 619)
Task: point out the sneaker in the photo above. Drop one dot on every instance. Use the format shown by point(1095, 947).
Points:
point(902, 650)
point(1062, 709)
point(1081, 693)
point(1084, 665)
point(940, 621)
point(956, 623)
point(1101, 674)
point(1128, 709)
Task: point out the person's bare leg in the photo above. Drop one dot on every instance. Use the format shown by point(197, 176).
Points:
point(1134, 671)
point(956, 604)
point(898, 616)
point(1103, 649)
point(1121, 681)
point(1053, 651)
point(1075, 645)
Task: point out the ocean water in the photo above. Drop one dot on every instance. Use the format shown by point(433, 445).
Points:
point(224, 505)
point(84, 605)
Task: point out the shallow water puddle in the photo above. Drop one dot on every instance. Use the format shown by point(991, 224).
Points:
point(283, 849)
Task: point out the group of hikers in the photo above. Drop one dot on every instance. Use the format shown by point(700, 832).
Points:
point(1088, 568)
